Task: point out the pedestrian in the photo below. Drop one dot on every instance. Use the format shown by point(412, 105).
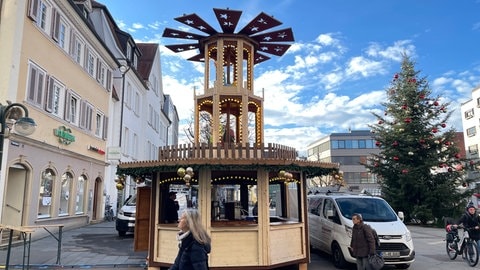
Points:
point(193, 241)
point(171, 208)
point(363, 242)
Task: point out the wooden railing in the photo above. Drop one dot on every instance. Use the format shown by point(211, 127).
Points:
point(227, 151)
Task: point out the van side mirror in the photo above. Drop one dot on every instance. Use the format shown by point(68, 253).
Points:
point(401, 215)
point(329, 213)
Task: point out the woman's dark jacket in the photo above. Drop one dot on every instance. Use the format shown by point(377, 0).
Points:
point(192, 255)
point(470, 221)
point(363, 242)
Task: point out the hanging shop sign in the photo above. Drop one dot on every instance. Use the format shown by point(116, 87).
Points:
point(114, 153)
point(64, 135)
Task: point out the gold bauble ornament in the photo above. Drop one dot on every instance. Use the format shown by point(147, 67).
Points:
point(181, 172)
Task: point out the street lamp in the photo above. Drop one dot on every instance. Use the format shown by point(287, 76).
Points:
point(120, 192)
point(24, 126)
point(123, 69)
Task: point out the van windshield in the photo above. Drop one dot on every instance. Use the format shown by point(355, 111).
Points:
point(372, 209)
point(132, 201)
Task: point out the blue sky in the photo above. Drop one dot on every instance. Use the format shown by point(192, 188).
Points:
point(335, 73)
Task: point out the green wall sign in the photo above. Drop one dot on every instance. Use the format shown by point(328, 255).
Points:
point(64, 135)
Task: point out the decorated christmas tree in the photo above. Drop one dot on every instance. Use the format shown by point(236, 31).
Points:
point(419, 167)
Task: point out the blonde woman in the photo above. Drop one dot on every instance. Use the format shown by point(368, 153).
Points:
point(194, 242)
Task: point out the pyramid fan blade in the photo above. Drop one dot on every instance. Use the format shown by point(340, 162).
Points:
point(284, 35)
point(261, 23)
point(228, 19)
point(193, 20)
point(273, 48)
point(182, 47)
point(172, 33)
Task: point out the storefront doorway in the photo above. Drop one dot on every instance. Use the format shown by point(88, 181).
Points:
point(15, 195)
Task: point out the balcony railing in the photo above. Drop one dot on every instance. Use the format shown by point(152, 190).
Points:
point(227, 151)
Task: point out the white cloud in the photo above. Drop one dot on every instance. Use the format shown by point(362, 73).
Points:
point(367, 100)
point(332, 79)
point(325, 39)
point(364, 67)
point(393, 52)
point(155, 25)
point(137, 26)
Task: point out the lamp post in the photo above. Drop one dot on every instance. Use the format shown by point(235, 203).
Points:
point(24, 126)
point(123, 69)
point(120, 192)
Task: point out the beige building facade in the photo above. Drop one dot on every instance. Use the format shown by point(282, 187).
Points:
point(55, 65)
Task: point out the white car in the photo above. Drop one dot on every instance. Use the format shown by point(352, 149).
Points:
point(330, 227)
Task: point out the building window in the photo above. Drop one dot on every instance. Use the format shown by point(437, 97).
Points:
point(136, 104)
point(362, 144)
point(469, 114)
point(39, 12)
point(81, 191)
point(67, 179)
point(471, 131)
point(36, 85)
point(125, 141)
point(334, 144)
point(90, 63)
point(150, 114)
point(128, 96)
point(473, 149)
point(478, 102)
point(135, 61)
point(86, 115)
point(55, 98)
point(99, 124)
point(102, 74)
point(60, 29)
point(156, 121)
point(349, 144)
point(109, 80)
point(72, 110)
point(44, 15)
point(76, 50)
point(155, 85)
point(134, 148)
point(129, 51)
point(45, 196)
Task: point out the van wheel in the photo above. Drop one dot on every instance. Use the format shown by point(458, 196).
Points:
point(402, 266)
point(338, 258)
point(122, 233)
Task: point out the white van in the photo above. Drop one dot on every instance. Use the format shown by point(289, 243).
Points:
point(330, 227)
point(125, 221)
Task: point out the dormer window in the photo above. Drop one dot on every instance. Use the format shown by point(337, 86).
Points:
point(129, 51)
point(135, 61)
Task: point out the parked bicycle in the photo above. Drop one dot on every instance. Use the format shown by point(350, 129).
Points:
point(109, 216)
point(468, 247)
